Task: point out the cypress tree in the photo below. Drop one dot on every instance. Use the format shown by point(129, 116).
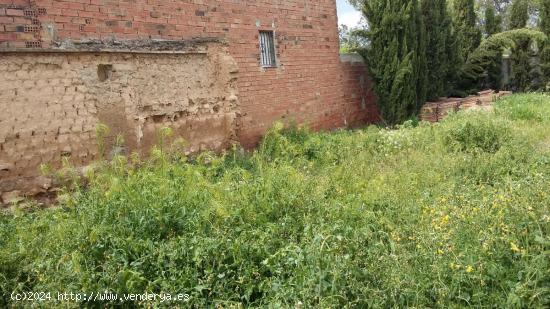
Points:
point(394, 56)
point(520, 58)
point(490, 48)
point(438, 35)
point(519, 14)
point(544, 23)
point(464, 20)
point(493, 22)
point(422, 61)
point(493, 25)
point(454, 64)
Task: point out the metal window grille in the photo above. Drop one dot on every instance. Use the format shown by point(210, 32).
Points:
point(267, 49)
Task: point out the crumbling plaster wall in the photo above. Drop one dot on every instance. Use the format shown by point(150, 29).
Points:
point(51, 104)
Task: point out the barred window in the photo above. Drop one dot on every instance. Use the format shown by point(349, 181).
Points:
point(267, 49)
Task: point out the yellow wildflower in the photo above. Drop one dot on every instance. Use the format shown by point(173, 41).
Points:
point(514, 247)
point(469, 269)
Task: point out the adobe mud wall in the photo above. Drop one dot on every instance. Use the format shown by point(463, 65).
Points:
point(52, 102)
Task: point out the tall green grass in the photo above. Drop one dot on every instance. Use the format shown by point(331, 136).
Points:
point(442, 215)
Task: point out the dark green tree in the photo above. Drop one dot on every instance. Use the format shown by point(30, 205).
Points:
point(491, 48)
point(544, 24)
point(520, 58)
point(454, 64)
point(519, 14)
point(493, 25)
point(439, 47)
point(467, 31)
point(422, 60)
point(395, 56)
point(493, 21)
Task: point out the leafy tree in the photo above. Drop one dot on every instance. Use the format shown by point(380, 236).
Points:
point(343, 31)
point(464, 20)
point(349, 39)
point(395, 55)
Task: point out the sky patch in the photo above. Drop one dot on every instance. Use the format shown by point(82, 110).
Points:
point(347, 14)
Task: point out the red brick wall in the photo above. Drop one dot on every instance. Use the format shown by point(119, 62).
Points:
point(310, 84)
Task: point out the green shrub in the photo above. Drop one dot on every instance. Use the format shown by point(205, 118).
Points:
point(476, 132)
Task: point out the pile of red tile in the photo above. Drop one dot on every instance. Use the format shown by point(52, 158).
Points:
point(436, 111)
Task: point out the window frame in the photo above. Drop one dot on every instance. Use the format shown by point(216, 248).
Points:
point(267, 62)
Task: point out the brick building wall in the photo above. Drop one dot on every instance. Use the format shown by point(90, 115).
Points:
point(310, 83)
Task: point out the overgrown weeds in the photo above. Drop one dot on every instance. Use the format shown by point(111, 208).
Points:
point(441, 215)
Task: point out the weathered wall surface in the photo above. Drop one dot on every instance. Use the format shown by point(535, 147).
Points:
point(310, 83)
point(51, 104)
